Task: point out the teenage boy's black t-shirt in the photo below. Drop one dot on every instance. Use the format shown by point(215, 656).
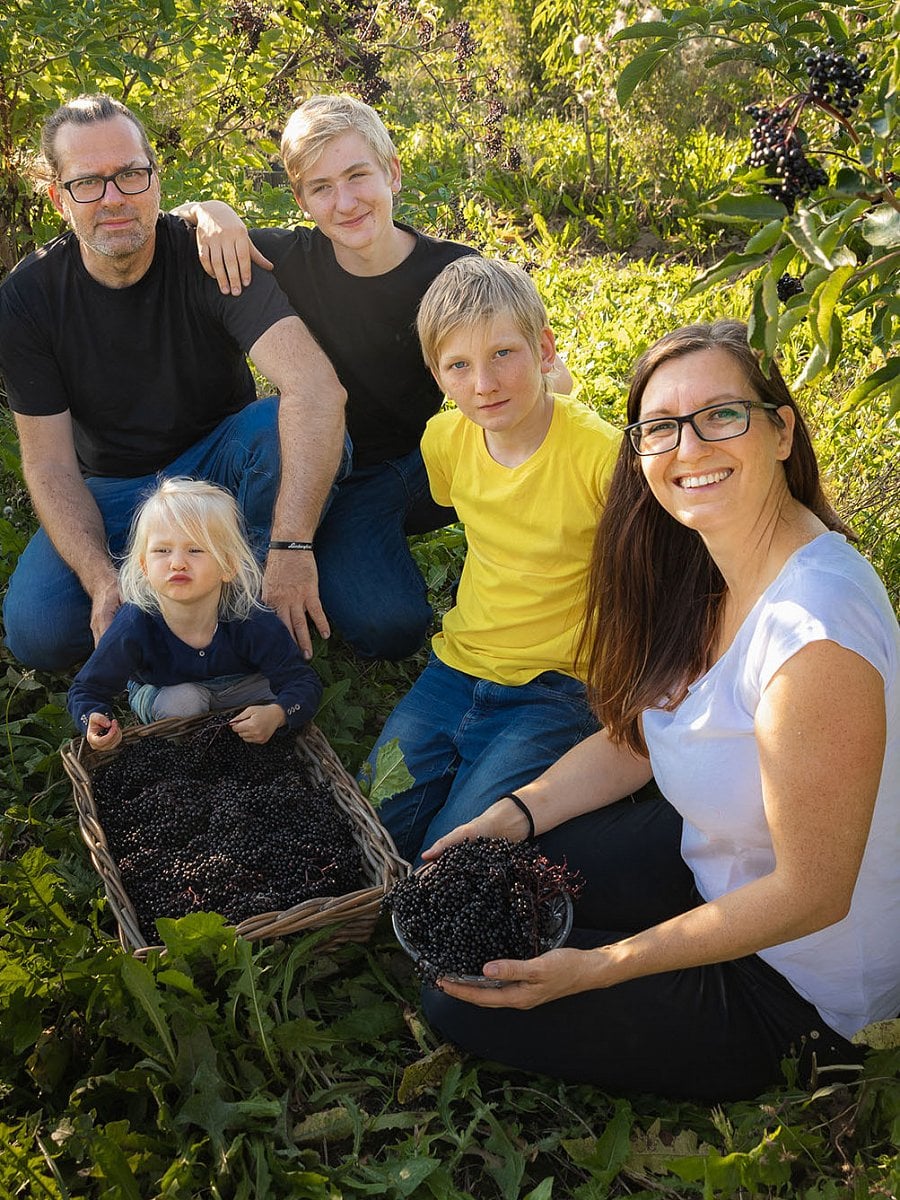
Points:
point(366, 326)
point(147, 370)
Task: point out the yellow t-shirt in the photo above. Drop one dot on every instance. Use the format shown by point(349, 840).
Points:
point(530, 529)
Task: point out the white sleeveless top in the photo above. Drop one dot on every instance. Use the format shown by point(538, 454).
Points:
point(704, 758)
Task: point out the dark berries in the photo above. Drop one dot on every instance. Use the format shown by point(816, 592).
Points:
point(215, 823)
point(834, 80)
point(776, 145)
point(481, 900)
point(787, 286)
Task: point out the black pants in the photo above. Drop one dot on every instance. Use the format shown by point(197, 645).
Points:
point(711, 1033)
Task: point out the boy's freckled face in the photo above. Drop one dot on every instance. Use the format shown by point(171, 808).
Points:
point(494, 375)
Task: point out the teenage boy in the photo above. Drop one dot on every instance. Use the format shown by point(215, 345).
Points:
point(356, 279)
point(526, 470)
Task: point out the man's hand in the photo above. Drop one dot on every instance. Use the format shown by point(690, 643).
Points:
point(103, 733)
point(258, 722)
point(105, 603)
point(223, 244)
point(291, 588)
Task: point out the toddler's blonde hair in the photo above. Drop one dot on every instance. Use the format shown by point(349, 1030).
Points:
point(208, 515)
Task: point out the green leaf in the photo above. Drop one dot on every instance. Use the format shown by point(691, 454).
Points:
point(735, 207)
point(822, 303)
point(138, 979)
point(637, 71)
point(782, 260)
point(762, 326)
point(731, 264)
point(764, 239)
point(812, 369)
point(886, 378)
point(605, 1156)
point(644, 29)
point(836, 27)
point(882, 226)
point(111, 1166)
point(803, 232)
point(391, 775)
point(207, 1109)
point(426, 1074)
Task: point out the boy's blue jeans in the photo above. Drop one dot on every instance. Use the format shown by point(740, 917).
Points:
point(47, 612)
point(370, 586)
point(467, 741)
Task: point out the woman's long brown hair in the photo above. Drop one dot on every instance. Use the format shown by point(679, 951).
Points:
point(654, 592)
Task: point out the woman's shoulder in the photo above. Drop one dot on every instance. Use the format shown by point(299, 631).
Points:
point(828, 591)
point(831, 571)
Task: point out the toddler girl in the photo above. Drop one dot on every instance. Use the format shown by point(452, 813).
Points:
point(191, 636)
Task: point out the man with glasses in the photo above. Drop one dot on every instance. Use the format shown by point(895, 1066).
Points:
point(122, 361)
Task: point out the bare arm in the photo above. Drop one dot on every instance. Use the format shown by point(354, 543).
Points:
point(311, 433)
point(67, 510)
point(821, 765)
point(223, 243)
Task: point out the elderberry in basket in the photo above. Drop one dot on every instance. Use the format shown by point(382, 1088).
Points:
point(481, 900)
point(212, 822)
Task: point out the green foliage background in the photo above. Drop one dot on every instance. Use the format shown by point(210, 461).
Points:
point(223, 1070)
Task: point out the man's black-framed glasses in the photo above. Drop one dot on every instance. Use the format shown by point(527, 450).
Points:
point(714, 423)
point(130, 181)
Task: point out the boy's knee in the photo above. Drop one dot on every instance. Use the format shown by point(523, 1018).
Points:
point(181, 700)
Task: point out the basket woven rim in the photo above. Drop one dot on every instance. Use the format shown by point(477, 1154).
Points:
point(353, 915)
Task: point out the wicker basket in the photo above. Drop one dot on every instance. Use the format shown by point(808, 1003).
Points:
point(353, 915)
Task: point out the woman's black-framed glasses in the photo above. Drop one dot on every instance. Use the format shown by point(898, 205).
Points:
point(714, 423)
point(130, 181)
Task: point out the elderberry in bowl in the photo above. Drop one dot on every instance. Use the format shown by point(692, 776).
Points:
point(481, 900)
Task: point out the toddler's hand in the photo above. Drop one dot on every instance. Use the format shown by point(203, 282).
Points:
point(103, 733)
point(258, 722)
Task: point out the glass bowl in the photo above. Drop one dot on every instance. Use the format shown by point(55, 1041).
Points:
point(559, 928)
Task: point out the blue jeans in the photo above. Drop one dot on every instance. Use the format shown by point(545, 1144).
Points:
point(47, 612)
point(370, 587)
point(467, 741)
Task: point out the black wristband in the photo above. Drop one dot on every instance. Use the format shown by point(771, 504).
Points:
point(290, 545)
point(522, 807)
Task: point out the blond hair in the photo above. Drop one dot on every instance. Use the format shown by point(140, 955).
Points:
point(320, 119)
point(208, 515)
point(471, 291)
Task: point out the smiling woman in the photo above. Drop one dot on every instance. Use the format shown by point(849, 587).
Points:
point(740, 650)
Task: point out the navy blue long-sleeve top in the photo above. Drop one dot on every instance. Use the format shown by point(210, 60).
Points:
point(139, 645)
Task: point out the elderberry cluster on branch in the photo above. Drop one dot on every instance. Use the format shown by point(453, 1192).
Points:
point(215, 823)
point(835, 80)
point(775, 145)
point(481, 900)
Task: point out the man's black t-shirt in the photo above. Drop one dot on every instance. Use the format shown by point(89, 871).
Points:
point(366, 326)
point(147, 370)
